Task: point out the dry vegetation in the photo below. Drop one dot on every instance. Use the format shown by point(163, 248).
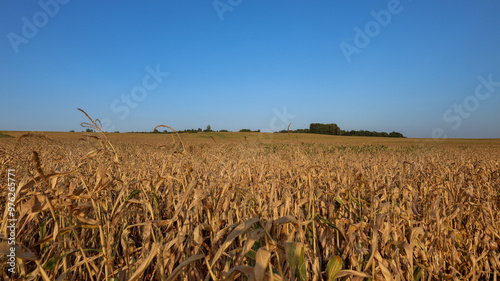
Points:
point(130, 209)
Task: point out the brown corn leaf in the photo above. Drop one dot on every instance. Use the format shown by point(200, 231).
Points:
point(240, 229)
point(178, 269)
point(261, 261)
point(348, 272)
point(140, 270)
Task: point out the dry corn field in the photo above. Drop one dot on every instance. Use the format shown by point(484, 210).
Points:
point(150, 207)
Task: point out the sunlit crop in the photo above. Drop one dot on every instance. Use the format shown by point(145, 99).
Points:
point(94, 208)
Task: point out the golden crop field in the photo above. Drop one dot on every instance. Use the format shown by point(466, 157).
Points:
point(250, 206)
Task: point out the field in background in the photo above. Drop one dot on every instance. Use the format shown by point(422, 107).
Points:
point(252, 206)
point(265, 137)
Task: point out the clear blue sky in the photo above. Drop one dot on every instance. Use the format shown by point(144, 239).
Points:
point(252, 64)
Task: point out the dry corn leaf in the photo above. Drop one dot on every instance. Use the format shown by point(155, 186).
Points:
point(261, 262)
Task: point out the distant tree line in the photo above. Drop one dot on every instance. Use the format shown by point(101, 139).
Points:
point(334, 129)
point(325, 129)
point(372, 134)
point(314, 128)
point(208, 130)
point(190, 131)
point(187, 131)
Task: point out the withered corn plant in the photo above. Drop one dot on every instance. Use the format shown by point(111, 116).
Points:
point(88, 209)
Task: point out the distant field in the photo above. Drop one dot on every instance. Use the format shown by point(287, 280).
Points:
point(267, 137)
point(251, 206)
point(4, 135)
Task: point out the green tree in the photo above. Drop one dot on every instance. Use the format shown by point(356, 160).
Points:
point(327, 129)
point(396, 135)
